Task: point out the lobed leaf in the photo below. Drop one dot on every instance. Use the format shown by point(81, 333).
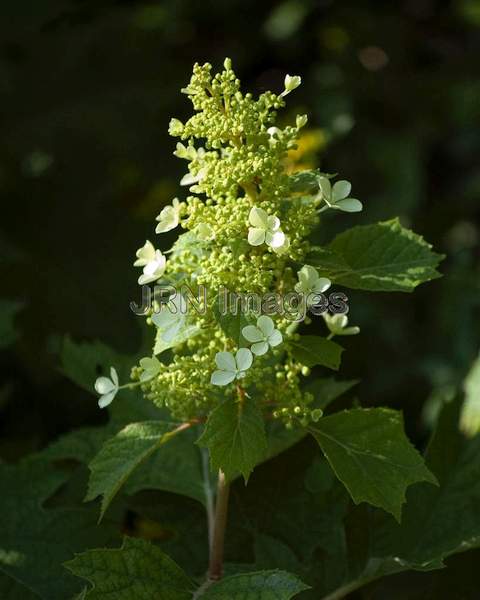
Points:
point(381, 257)
point(138, 570)
point(313, 350)
point(121, 455)
point(261, 585)
point(370, 454)
point(235, 437)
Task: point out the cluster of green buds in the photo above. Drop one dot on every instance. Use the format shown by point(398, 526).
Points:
point(247, 222)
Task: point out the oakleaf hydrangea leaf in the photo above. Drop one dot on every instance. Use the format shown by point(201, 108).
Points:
point(121, 455)
point(311, 350)
point(370, 454)
point(235, 437)
point(262, 585)
point(136, 571)
point(382, 257)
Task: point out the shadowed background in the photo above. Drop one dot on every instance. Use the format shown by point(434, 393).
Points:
point(87, 90)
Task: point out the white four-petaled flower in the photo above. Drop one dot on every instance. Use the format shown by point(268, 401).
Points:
point(169, 217)
point(231, 367)
point(152, 261)
point(262, 335)
point(265, 229)
point(337, 197)
point(337, 324)
point(310, 282)
point(107, 387)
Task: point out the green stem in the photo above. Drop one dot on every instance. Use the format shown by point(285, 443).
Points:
point(215, 570)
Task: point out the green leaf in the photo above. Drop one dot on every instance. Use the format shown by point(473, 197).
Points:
point(327, 389)
point(271, 551)
point(304, 182)
point(437, 522)
point(326, 261)
point(262, 585)
point(232, 325)
point(12, 590)
point(177, 468)
point(35, 541)
point(8, 312)
point(80, 445)
point(121, 455)
point(136, 571)
point(370, 454)
point(380, 257)
point(185, 333)
point(447, 516)
point(235, 437)
point(313, 350)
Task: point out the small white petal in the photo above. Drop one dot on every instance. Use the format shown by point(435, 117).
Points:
point(275, 338)
point(252, 333)
point(106, 399)
point(308, 276)
point(260, 348)
point(243, 359)
point(339, 320)
point(144, 279)
point(189, 179)
point(258, 218)
point(225, 361)
point(325, 188)
point(351, 330)
point(151, 365)
point(222, 377)
point(103, 385)
point(349, 205)
point(283, 248)
point(256, 236)
point(144, 254)
point(321, 285)
point(266, 325)
point(114, 375)
point(276, 239)
point(341, 189)
point(164, 226)
point(273, 223)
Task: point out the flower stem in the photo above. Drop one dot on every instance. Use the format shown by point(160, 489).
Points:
point(209, 497)
point(215, 570)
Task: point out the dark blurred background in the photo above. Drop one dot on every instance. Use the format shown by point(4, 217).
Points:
point(87, 89)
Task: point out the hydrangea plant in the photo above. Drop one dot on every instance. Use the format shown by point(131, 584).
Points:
point(248, 225)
